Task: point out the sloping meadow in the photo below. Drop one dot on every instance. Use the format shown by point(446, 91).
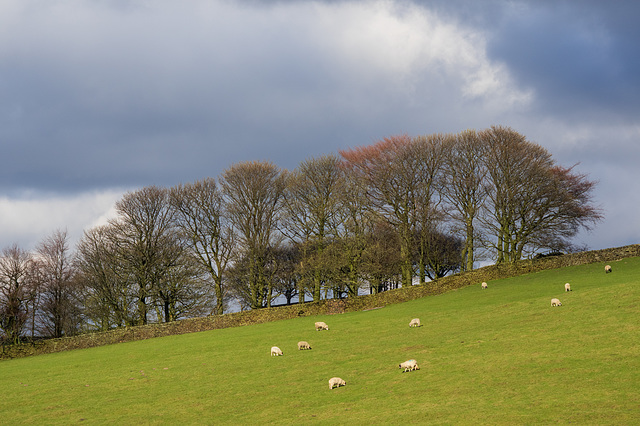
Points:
point(497, 356)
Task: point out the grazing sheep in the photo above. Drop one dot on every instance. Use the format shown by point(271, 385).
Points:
point(275, 351)
point(337, 382)
point(484, 286)
point(567, 287)
point(555, 302)
point(607, 269)
point(321, 326)
point(409, 365)
point(415, 322)
point(303, 345)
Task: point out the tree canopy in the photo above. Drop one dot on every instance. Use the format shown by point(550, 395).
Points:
point(400, 210)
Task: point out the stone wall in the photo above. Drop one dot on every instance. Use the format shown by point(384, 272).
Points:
point(324, 307)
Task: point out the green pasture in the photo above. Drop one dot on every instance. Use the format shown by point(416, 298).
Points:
point(496, 356)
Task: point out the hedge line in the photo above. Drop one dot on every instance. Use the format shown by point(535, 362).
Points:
point(324, 307)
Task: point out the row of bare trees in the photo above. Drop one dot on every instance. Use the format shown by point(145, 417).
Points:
point(38, 291)
point(383, 215)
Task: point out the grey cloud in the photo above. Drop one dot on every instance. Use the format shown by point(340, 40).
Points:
point(579, 59)
point(124, 106)
point(106, 94)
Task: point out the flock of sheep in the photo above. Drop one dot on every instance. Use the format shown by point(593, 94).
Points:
point(409, 365)
point(567, 287)
point(336, 382)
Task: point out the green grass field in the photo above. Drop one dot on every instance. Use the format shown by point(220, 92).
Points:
point(496, 356)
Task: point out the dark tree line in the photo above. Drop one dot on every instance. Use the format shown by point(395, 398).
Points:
point(400, 211)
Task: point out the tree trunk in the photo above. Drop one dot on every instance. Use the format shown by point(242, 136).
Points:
point(219, 296)
point(142, 311)
point(317, 285)
point(469, 246)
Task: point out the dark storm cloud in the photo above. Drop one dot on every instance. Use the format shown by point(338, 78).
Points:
point(581, 58)
point(125, 95)
point(127, 107)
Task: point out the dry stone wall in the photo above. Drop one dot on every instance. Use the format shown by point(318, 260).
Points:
point(324, 307)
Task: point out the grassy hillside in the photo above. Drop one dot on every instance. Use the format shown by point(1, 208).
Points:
point(496, 356)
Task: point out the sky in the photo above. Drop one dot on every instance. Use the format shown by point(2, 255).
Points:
point(101, 97)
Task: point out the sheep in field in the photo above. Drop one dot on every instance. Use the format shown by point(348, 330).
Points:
point(321, 326)
point(607, 269)
point(567, 287)
point(303, 345)
point(484, 286)
point(415, 322)
point(337, 382)
point(555, 302)
point(275, 351)
point(409, 365)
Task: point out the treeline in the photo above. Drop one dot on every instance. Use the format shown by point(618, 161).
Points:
point(404, 209)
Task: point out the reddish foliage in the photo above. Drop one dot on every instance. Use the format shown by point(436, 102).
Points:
point(368, 160)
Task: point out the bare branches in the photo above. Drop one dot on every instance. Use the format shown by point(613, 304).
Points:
point(253, 198)
point(378, 215)
point(205, 230)
point(400, 177)
point(533, 203)
point(313, 199)
point(17, 290)
point(60, 305)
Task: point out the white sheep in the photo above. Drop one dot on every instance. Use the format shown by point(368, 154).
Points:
point(415, 322)
point(303, 345)
point(484, 286)
point(409, 365)
point(555, 302)
point(337, 382)
point(275, 351)
point(321, 326)
point(607, 269)
point(567, 287)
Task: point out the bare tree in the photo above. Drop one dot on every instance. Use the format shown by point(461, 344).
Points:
point(60, 307)
point(568, 209)
point(533, 202)
point(237, 281)
point(343, 257)
point(381, 258)
point(312, 201)
point(430, 218)
point(441, 254)
point(107, 283)
point(465, 187)
point(430, 150)
point(206, 231)
point(16, 291)
point(184, 291)
point(282, 271)
point(400, 176)
point(278, 272)
point(148, 244)
point(253, 196)
point(144, 233)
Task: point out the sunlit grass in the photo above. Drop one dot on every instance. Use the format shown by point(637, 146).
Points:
point(496, 356)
